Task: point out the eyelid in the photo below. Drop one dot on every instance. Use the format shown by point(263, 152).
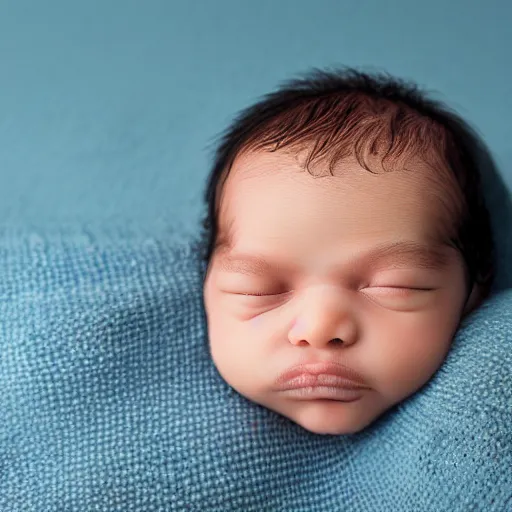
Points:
point(412, 288)
point(261, 294)
point(412, 280)
point(400, 287)
point(382, 294)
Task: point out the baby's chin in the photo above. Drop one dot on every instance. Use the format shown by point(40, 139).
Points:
point(328, 417)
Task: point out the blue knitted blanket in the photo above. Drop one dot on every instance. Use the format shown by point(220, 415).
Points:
point(110, 401)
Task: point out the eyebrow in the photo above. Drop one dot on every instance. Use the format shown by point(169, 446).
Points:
point(390, 255)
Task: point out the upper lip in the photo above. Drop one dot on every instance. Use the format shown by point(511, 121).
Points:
point(349, 378)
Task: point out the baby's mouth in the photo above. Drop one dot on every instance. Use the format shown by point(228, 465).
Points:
point(328, 380)
point(307, 386)
point(324, 392)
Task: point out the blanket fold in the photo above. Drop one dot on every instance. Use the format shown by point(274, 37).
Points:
point(110, 401)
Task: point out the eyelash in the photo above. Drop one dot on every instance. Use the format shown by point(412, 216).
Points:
point(261, 294)
point(417, 289)
point(391, 287)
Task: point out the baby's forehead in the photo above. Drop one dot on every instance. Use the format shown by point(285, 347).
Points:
point(329, 172)
point(286, 169)
point(255, 177)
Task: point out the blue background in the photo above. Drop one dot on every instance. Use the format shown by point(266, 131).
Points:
point(109, 109)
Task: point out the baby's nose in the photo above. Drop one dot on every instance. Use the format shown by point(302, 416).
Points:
point(324, 324)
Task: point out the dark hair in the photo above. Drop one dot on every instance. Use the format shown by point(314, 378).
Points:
point(346, 112)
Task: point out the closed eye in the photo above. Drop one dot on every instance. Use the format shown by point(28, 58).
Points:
point(376, 288)
point(396, 292)
point(401, 288)
point(262, 294)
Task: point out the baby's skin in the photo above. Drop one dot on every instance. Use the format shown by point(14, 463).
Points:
point(339, 296)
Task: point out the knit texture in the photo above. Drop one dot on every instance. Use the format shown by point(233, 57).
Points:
point(110, 400)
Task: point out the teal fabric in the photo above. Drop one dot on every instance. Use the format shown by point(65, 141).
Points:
point(110, 401)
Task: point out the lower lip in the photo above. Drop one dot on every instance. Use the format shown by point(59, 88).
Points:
point(325, 392)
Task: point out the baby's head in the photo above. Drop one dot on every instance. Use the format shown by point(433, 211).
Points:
point(346, 237)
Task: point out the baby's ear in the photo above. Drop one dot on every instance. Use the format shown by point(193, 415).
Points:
point(473, 300)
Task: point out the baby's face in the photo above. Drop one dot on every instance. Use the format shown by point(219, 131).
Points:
point(353, 256)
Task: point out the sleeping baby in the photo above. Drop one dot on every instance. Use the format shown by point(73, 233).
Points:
point(346, 238)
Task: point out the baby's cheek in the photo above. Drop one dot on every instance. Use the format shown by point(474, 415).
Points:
point(407, 362)
point(256, 322)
